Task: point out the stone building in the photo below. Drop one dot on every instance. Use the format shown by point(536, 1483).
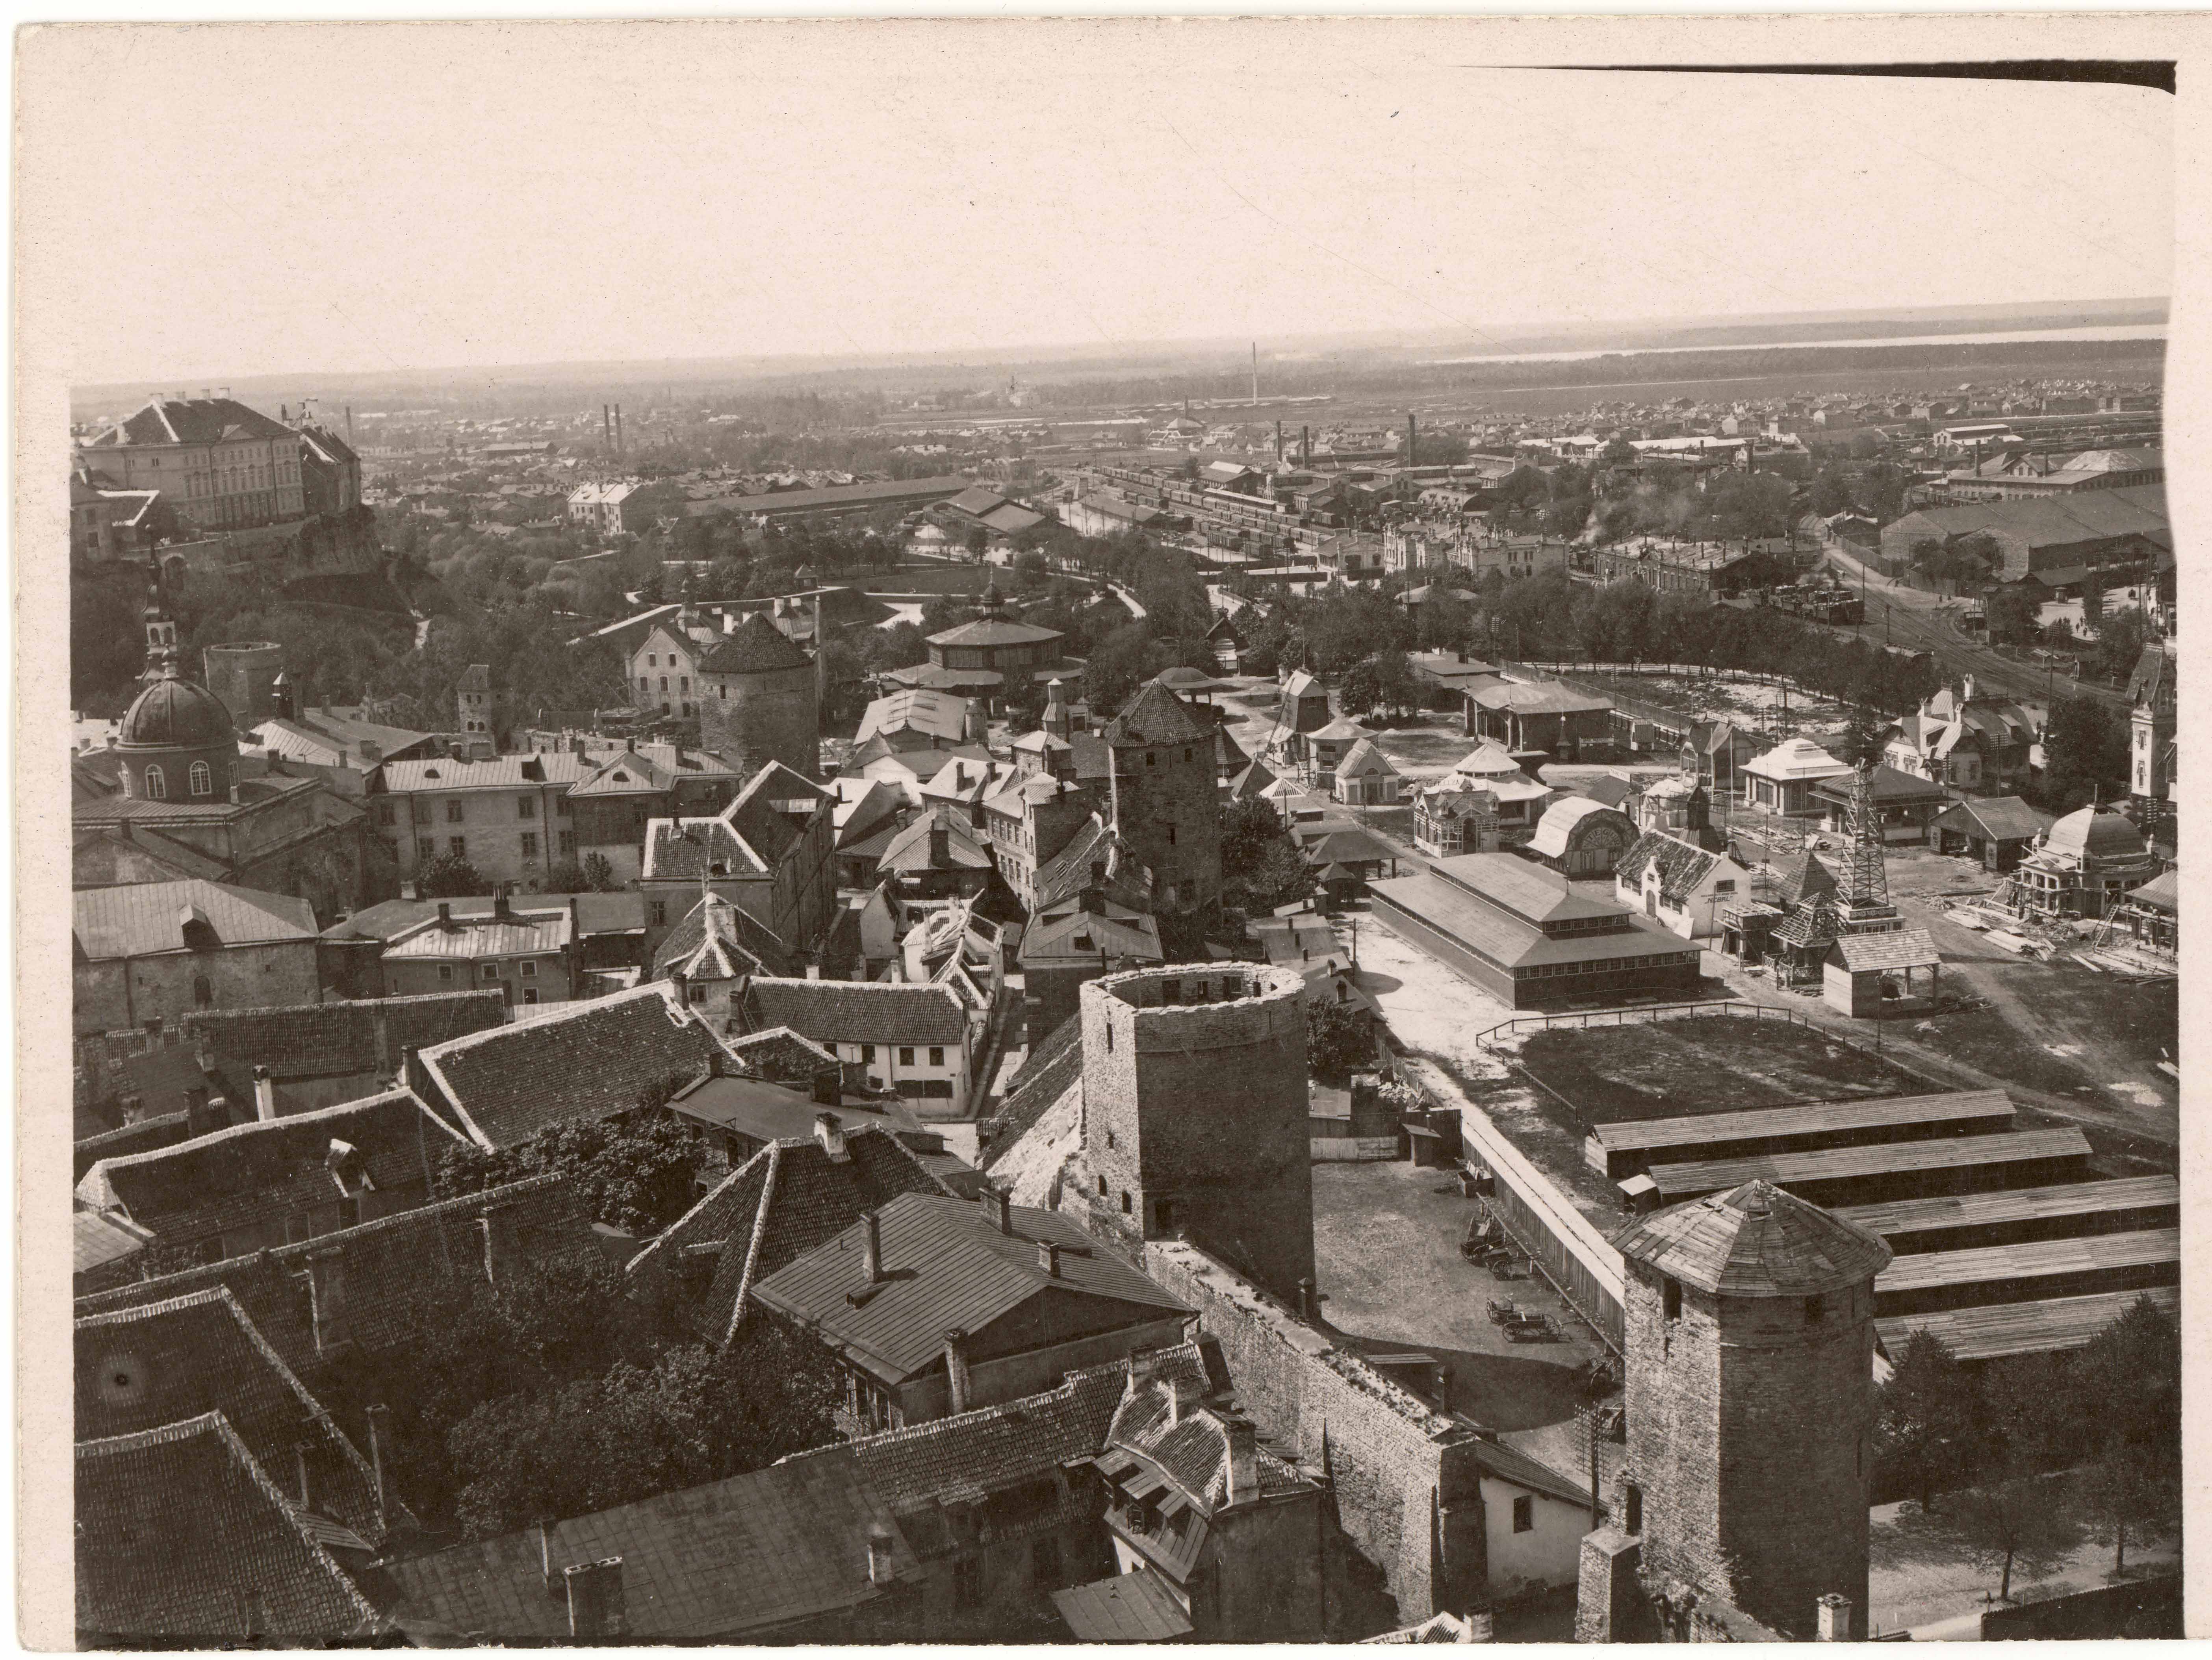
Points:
point(1194, 1114)
point(218, 465)
point(2080, 867)
point(155, 951)
point(759, 701)
point(1741, 1507)
point(1164, 800)
point(2154, 699)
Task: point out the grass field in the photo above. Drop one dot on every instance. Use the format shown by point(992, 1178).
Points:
point(1670, 1068)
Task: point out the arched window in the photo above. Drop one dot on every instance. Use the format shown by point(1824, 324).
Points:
point(157, 787)
point(203, 781)
point(202, 992)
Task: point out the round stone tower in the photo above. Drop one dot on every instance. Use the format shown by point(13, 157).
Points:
point(243, 673)
point(1750, 1403)
point(1195, 1113)
point(757, 700)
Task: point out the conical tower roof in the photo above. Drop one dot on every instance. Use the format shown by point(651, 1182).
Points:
point(1755, 1241)
point(756, 645)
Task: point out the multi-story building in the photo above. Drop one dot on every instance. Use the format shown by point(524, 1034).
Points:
point(524, 955)
point(771, 853)
point(611, 509)
point(218, 465)
point(329, 472)
point(510, 816)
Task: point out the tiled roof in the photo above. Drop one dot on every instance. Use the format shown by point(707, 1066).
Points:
point(858, 1012)
point(732, 1560)
point(182, 1535)
point(1802, 876)
point(587, 1060)
point(780, 1055)
point(685, 849)
point(149, 917)
point(756, 645)
point(1756, 1240)
point(97, 1241)
point(1683, 865)
point(947, 1267)
point(1054, 1067)
point(302, 1040)
point(1067, 873)
point(714, 942)
point(1155, 715)
point(137, 1369)
point(265, 1171)
point(392, 1267)
point(911, 849)
point(784, 1200)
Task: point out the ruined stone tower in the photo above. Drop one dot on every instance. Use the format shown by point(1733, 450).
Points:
point(758, 700)
point(1749, 1320)
point(1194, 1114)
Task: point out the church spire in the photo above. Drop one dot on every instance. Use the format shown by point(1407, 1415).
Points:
point(161, 628)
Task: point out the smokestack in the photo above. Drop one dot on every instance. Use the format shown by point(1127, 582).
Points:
point(1413, 430)
point(607, 426)
point(1255, 373)
point(830, 1136)
point(1279, 445)
point(265, 1095)
point(348, 410)
point(618, 429)
point(1305, 447)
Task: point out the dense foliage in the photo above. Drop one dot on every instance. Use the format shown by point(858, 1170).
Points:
point(638, 1171)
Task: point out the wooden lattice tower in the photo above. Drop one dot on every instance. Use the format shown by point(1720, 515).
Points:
point(1863, 904)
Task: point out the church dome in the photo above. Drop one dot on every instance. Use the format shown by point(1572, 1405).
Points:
point(2097, 833)
point(172, 713)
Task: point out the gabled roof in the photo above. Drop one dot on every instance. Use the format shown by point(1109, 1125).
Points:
point(1799, 759)
point(783, 1201)
point(150, 917)
point(178, 1527)
point(173, 420)
point(858, 1011)
point(1155, 715)
point(756, 645)
point(781, 1055)
point(1681, 865)
point(685, 849)
point(947, 1267)
point(621, 912)
point(911, 848)
point(1067, 873)
point(939, 715)
point(587, 1059)
point(713, 942)
point(1528, 891)
point(267, 1170)
point(1128, 938)
point(139, 1368)
point(1542, 697)
point(1899, 948)
point(306, 1040)
point(1757, 1240)
point(553, 767)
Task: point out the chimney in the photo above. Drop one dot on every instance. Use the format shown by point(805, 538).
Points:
point(1481, 1627)
point(379, 1432)
point(303, 1460)
point(595, 1600)
point(940, 839)
point(1835, 1617)
point(499, 906)
point(1094, 899)
point(998, 1207)
point(831, 1137)
point(265, 1095)
point(1243, 1438)
point(1049, 1258)
point(1307, 1310)
point(879, 1555)
point(827, 1090)
point(445, 917)
point(326, 1299)
point(956, 1368)
point(871, 1247)
point(498, 1232)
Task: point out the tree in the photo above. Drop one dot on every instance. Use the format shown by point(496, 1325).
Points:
point(1260, 865)
point(1338, 1038)
point(598, 872)
point(567, 877)
point(2015, 1522)
point(1362, 689)
point(2130, 1492)
point(2085, 753)
point(1926, 1416)
point(1865, 737)
point(2012, 611)
point(2120, 638)
point(449, 877)
point(638, 1171)
point(2131, 1375)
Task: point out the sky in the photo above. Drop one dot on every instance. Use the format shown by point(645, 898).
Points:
point(249, 201)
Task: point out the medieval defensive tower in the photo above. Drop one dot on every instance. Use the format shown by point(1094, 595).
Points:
point(757, 700)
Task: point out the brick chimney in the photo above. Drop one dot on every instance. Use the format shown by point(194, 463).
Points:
point(265, 1095)
point(879, 1555)
point(940, 845)
point(872, 1249)
point(445, 917)
point(956, 1368)
point(596, 1609)
point(830, 1136)
point(1243, 1438)
point(1049, 1258)
point(1835, 1617)
point(500, 910)
point(998, 1207)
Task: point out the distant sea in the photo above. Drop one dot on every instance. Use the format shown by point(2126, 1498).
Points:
point(2102, 332)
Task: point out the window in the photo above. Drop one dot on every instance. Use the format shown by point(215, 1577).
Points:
point(529, 845)
point(1186, 755)
point(906, 1054)
point(867, 1054)
point(386, 812)
point(530, 994)
point(425, 849)
point(1125, 1201)
point(157, 786)
point(526, 806)
point(444, 970)
point(936, 1054)
point(652, 659)
point(1102, 1187)
point(1171, 836)
point(1632, 1504)
point(202, 992)
point(491, 970)
point(1813, 1309)
point(454, 815)
point(419, 813)
point(698, 994)
point(1151, 759)
point(1524, 1514)
point(568, 841)
point(561, 807)
point(683, 683)
point(458, 846)
point(203, 781)
point(1670, 1297)
point(1728, 886)
point(660, 913)
point(664, 682)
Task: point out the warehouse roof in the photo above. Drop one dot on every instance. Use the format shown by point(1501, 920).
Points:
point(1902, 1218)
point(1846, 1164)
point(1993, 1330)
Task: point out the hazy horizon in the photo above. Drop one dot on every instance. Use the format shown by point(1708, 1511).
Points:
point(668, 194)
